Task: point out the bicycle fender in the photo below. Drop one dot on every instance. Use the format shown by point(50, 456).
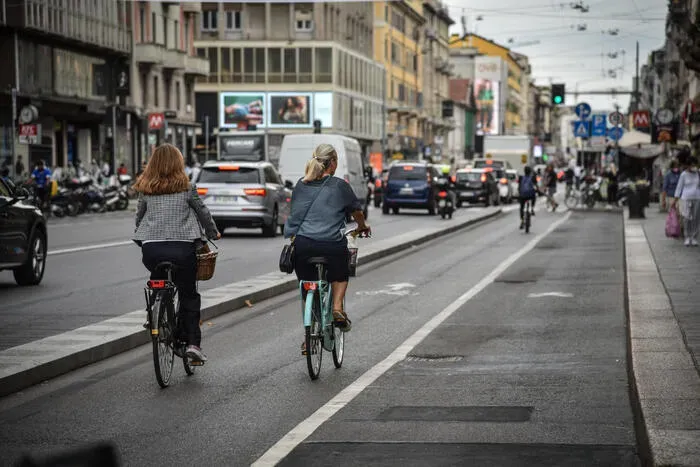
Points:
point(308, 305)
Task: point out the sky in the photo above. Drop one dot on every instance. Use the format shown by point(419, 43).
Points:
point(547, 31)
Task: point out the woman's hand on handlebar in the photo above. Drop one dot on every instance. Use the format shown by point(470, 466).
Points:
point(364, 231)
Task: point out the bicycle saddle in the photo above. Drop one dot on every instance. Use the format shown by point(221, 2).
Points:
point(165, 265)
point(318, 260)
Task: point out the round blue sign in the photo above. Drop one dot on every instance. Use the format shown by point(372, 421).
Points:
point(583, 110)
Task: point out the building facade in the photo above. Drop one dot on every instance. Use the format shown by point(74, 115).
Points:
point(164, 68)
point(398, 34)
point(278, 67)
point(460, 141)
point(63, 59)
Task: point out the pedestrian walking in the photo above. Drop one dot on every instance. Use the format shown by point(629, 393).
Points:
point(688, 192)
point(550, 185)
point(670, 183)
point(611, 176)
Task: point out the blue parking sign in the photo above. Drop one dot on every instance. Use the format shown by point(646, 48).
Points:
point(599, 125)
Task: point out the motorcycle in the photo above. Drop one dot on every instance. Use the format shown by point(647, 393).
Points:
point(445, 201)
point(65, 203)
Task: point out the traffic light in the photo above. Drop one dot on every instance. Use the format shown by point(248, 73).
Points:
point(558, 94)
point(317, 126)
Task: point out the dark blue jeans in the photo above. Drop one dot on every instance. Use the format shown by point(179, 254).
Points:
point(184, 256)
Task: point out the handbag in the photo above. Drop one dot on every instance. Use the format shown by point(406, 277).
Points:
point(287, 255)
point(673, 226)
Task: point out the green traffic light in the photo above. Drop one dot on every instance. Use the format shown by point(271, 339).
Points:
point(558, 99)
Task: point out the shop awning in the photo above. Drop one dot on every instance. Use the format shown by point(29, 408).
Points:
point(643, 151)
point(633, 138)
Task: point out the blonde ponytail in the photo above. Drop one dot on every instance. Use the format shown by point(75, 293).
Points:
point(323, 155)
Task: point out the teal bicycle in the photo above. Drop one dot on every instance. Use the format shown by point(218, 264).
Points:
point(320, 333)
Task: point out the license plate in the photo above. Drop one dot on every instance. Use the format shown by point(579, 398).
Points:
point(224, 199)
point(406, 191)
point(467, 193)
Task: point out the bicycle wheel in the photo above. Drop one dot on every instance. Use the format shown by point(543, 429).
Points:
point(314, 347)
point(571, 201)
point(527, 220)
point(338, 346)
point(163, 351)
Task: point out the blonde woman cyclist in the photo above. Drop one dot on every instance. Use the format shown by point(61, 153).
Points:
point(168, 219)
point(320, 205)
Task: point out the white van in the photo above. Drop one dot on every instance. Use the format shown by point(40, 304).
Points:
point(298, 149)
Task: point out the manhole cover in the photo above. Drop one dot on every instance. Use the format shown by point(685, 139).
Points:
point(434, 358)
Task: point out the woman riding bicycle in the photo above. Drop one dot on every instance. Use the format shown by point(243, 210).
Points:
point(169, 221)
point(320, 205)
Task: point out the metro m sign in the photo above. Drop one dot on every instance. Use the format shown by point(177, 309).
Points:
point(641, 119)
point(155, 121)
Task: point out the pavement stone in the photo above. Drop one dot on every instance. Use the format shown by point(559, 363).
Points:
point(663, 340)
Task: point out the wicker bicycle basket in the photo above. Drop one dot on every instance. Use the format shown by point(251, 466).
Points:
point(206, 263)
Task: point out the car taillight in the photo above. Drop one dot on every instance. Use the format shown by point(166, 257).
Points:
point(504, 181)
point(202, 191)
point(289, 200)
point(453, 179)
point(483, 178)
point(255, 191)
point(442, 194)
point(228, 168)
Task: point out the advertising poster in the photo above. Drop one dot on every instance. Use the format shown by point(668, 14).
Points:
point(323, 108)
point(290, 109)
point(487, 100)
point(241, 108)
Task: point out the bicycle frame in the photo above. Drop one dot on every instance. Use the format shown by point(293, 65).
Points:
point(163, 287)
point(325, 293)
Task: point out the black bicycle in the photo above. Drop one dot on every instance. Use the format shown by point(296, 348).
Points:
point(165, 323)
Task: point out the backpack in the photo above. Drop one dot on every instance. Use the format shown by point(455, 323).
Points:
point(527, 187)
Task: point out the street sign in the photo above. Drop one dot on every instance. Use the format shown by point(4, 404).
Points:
point(598, 142)
point(580, 129)
point(616, 133)
point(640, 119)
point(30, 134)
point(155, 121)
point(616, 118)
point(583, 110)
point(599, 125)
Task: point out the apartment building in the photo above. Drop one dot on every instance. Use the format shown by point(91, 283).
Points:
point(277, 67)
point(437, 70)
point(398, 30)
point(63, 65)
point(164, 68)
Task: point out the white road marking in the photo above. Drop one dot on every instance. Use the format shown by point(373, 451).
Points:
point(305, 428)
point(89, 247)
point(551, 294)
point(401, 289)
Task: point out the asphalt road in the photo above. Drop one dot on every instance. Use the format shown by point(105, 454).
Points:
point(564, 361)
point(85, 283)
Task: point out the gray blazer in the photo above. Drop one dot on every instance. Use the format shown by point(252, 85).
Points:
point(177, 216)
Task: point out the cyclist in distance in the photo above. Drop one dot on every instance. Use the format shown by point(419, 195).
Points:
point(42, 177)
point(170, 218)
point(320, 205)
point(527, 189)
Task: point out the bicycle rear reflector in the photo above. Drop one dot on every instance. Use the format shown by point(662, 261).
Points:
point(310, 285)
point(156, 284)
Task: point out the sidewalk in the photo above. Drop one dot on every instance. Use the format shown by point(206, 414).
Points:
point(664, 321)
point(679, 268)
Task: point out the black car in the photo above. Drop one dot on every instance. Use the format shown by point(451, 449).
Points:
point(476, 186)
point(22, 236)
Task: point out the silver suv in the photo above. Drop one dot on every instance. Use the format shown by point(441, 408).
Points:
point(246, 195)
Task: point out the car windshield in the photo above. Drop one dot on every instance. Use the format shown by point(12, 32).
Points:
point(488, 163)
point(469, 177)
point(229, 175)
point(408, 172)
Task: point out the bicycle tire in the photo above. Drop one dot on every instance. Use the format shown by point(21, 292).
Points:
point(571, 201)
point(528, 219)
point(313, 333)
point(338, 347)
point(163, 352)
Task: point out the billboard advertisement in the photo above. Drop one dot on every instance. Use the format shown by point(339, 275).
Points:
point(486, 96)
point(488, 68)
point(290, 109)
point(323, 108)
point(241, 108)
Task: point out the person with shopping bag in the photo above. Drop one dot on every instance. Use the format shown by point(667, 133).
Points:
point(688, 192)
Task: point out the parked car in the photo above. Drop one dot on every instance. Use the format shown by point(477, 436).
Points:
point(512, 176)
point(476, 186)
point(410, 185)
point(23, 236)
point(296, 151)
point(246, 195)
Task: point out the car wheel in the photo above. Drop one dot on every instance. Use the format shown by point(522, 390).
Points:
point(271, 230)
point(31, 272)
point(395, 210)
point(385, 209)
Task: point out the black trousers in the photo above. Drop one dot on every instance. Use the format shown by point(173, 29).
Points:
point(522, 205)
point(184, 256)
point(612, 193)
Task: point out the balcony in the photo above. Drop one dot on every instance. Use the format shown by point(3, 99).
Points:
point(148, 53)
point(192, 7)
point(196, 66)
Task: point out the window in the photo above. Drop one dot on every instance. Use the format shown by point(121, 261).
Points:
point(176, 33)
point(142, 23)
point(178, 97)
point(395, 54)
point(260, 65)
point(242, 175)
point(155, 91)
point(303, 20)
point(153, 27)
point(209, 20)
point(304, 25)
point(274, 65)
point(398, 21)
point(271, 176)
point(290, 65)
point(305, 67)
point(165, 31)
point(324, 65)
point(233, 20)
point(187, 35)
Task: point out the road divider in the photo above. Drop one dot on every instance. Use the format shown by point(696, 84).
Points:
point(31, 363)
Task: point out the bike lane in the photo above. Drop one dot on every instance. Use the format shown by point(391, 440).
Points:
point(531, 370)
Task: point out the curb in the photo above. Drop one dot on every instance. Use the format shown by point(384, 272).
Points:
point(664, 382)
point(28, 364)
